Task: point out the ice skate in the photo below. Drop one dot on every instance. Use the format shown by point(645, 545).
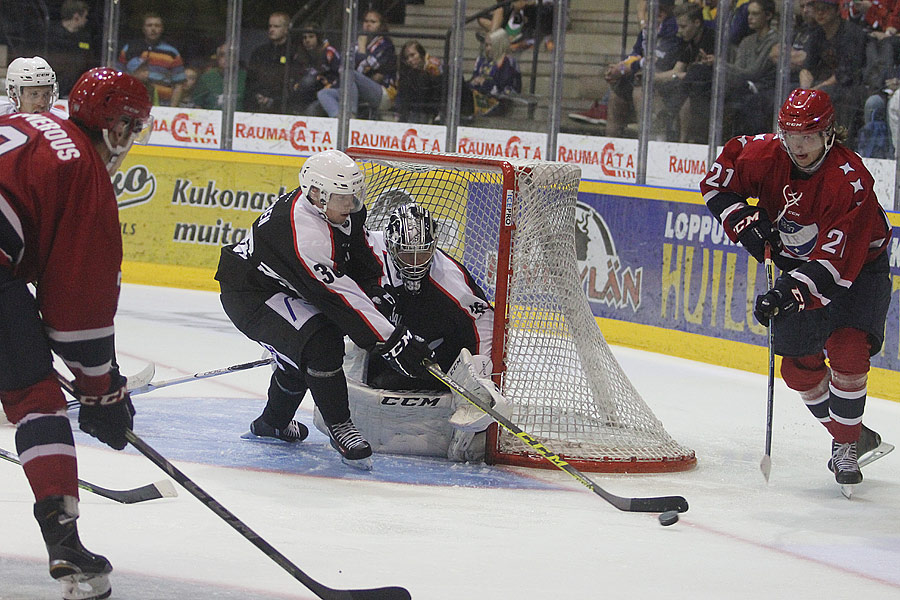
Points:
point(83, 574)
point(355, 450)
point(846, 466)
point(263, 432)
point(870, 447)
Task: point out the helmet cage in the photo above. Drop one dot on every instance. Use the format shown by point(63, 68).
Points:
point(411, 243)
point(333, 172)
point(29, 72)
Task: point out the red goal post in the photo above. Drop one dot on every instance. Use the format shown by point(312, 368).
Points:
point(512, 224)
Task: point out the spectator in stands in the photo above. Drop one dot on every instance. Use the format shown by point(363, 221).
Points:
point(750, 84)
point(834, 62)
point(163, 61)
point(266, 72)
point(625, 99)
point(372, 83)
point(419, 84)
point(881, 21)
point(316, 65)
point(684, 91)
point(523, 20)
point(211, 84)
point(738, 27)
point(804, 23)
point(188, 98)
point(71, 50)
point(496, 76)
point(139, 68)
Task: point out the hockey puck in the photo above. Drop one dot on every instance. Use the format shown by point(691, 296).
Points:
point(668, 518)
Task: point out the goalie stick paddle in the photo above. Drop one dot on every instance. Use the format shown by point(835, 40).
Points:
point(151, 491)
point(320, 590)
point(657, 504)
point(765, 465)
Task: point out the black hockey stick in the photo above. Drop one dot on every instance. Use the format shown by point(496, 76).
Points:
point(765, 465)
point(151, 491)
point(142, 386)
point(658, 504)
point(320, 590)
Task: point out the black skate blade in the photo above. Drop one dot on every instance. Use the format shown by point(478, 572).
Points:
point(869, 457)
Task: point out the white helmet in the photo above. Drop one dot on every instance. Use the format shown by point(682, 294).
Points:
point(333, 172)
point(28, 72)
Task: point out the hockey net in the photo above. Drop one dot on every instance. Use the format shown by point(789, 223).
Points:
point(512, 224)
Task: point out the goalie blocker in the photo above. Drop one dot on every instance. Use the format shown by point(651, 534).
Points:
point(423, 423)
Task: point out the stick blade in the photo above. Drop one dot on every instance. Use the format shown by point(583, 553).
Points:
point(661, 504)
point(166, 489)
point(765, 465)
point(385, 593)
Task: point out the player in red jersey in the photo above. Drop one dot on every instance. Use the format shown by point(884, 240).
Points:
point(59, 230)
point(828, 234)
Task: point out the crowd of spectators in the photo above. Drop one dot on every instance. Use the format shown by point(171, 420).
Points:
point(850, 49)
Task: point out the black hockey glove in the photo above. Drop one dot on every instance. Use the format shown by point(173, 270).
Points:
point(107, 416)
point(385, 302)
point(406, 352)
point(751, 227)
point(787, 297)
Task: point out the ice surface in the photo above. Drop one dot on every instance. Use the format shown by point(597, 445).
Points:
point(450, 531)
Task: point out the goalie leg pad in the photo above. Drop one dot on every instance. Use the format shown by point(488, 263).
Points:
point(469, 372)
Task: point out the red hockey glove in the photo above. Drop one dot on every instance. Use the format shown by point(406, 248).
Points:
point(751, 227)
point(787, 297)
point(107, 416)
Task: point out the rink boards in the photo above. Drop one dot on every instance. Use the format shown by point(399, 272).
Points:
point(658, 271)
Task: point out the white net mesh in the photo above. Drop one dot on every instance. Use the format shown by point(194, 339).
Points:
point(564, 385)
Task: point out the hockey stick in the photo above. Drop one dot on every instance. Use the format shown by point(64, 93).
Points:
point(765, 464)
point(320, 590)
point(657, 504)
point(142, 386)
point(151, 491)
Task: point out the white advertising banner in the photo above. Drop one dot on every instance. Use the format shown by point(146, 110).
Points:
point(186, 127)
point(600, 158)
point(283, 134)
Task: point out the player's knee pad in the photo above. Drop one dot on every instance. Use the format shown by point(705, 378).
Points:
point(848, 350)
point(25, 357)
point(323, 355)
point(43, 397)
point(804, 373)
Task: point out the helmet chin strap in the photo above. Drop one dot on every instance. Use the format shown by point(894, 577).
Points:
point(116, 153)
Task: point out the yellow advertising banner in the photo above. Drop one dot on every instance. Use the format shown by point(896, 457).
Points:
point(178, 207)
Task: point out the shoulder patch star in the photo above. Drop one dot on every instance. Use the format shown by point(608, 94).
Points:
point(759, 136)
point(743, 140)
point(857, 186)
point(846, 168)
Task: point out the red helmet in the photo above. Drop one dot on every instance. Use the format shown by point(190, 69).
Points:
point(103, 96)
point(806, 111)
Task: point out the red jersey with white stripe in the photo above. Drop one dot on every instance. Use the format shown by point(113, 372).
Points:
point(293, 248)
point(59, 229)
point(831, 220)
point(450, 311)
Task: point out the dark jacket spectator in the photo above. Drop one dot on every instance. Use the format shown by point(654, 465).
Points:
point(71, 50)
point(419, 84)
point(266, 71)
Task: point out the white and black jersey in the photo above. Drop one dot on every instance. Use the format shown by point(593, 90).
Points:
point(292, 248)
point(450, 311)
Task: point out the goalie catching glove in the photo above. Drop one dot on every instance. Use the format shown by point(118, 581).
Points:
point(406, 352)
point(107, 416)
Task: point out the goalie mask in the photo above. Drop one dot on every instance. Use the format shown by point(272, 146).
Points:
point(806, 128)
point(411, 243)
point(115, 104)
point(31, 73)
point(332, 177)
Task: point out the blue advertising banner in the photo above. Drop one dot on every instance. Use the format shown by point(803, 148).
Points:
point(669, 264)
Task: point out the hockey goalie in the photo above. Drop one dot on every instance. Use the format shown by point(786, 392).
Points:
point(435, 297)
